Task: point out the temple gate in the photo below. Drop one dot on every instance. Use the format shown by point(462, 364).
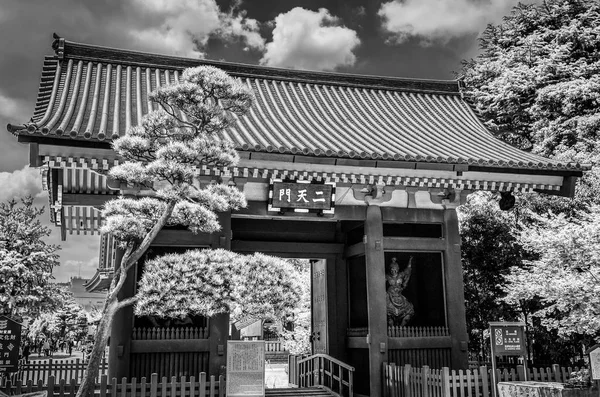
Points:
point(399, 154)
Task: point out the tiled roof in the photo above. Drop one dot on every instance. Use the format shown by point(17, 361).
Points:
point(91, 93)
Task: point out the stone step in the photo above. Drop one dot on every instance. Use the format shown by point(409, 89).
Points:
point(298, 392)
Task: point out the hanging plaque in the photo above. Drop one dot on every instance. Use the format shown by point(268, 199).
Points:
point(10, 340)
point(245, 368)
point(301, 196)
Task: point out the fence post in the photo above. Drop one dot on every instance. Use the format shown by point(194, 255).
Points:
point(406, 379)
point(153, 385)
point(485, 383)
point(425, 380)
point(445, 382)
point(556, 372)
point(521, 375)
point(50, 386)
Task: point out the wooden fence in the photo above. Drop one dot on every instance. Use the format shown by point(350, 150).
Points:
point(184, 387)
point(417, 332)
point(41, 371)
point(273, 346)
point(406, 381)
point(156, 333)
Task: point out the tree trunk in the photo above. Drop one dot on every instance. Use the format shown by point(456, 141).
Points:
point(102, 334)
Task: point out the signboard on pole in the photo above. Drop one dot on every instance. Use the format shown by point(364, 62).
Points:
point(508, 340)
point(245, 368)
point(10, 341)
point(594, 353)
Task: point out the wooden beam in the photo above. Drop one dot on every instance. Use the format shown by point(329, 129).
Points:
point(271, 247)
point(414, 244)
point(34, 155)
point(436, 342)
point(357, 342)
point(169, 346)
point(182, 238)
point(85, 199)
point(355, 250)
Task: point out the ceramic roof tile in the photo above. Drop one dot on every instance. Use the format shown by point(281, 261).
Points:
point(95, 93)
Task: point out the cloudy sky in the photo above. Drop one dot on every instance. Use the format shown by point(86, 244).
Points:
point(405, 38)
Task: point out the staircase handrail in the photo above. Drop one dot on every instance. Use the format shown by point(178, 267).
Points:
point(317, 370)
point(328, 357)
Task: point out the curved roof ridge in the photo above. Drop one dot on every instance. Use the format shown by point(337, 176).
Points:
point(91, 52)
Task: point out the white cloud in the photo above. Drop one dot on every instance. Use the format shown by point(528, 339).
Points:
point(440, 20)
point(184, 27)
point(305, 39)
point(14, 109)
point(233, 25)
point(20, 183)
point(177, 26)
point(74, 268)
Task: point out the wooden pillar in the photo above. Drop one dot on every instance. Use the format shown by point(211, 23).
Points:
point(119, 356)
point(376, 297)
point(217, 338)
point(219, 325)
point(455, 295)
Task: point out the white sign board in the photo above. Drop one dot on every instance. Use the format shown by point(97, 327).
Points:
point(595, 363)
point(245, 368)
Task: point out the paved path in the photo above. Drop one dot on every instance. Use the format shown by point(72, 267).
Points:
point(276, 376)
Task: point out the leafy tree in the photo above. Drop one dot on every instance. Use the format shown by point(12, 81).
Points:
point(490, 248)
point(565, 276)
point(63, 322)
point(297, 339)
point(208, 282)
point(163, 160)
point(26, 261)
point(536, 82)
point(536, 85)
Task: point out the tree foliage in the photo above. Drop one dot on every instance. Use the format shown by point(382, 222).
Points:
point(208, 282)
point(68, 321)
point(490, 248)
point(565, 277)
point(26, 261)
point(164, 183)
point(536, 82)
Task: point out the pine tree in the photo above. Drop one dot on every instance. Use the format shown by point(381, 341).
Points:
point(26, 261)
point(162, 160)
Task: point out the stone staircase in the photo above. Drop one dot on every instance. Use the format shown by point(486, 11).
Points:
point(298, 392)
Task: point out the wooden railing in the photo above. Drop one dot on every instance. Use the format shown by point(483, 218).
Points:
point(417, 332)
point(41, 371)
point(201, 386)
point(325, 371)
point(407, 381)
point(273, 346)
point(169, 333)
point(404, 332)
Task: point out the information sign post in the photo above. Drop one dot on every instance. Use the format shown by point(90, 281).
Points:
point(10, 340)
point(245, 368)
point(594, 353)
point(506, 339)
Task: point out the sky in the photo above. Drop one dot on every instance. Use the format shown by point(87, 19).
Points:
point(403, 38)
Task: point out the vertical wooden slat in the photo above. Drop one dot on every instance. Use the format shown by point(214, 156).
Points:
point(163, 386)
point(103, 385)
point(221, 386)
point(202, 385)
point(212, 386)
point(153, 385)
